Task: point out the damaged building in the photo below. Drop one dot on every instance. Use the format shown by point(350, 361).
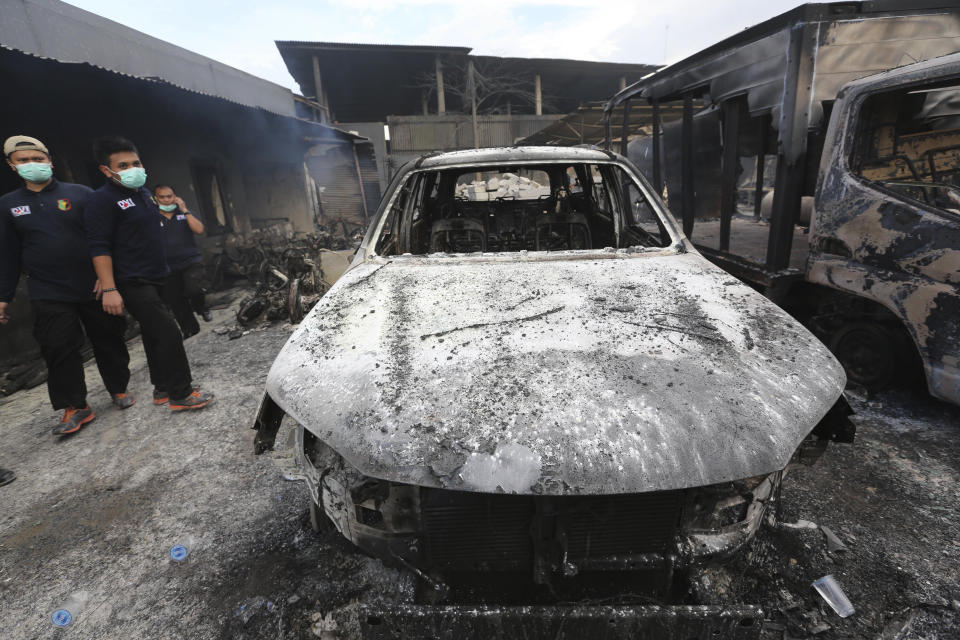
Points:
point(229, 143)
point(411, 100)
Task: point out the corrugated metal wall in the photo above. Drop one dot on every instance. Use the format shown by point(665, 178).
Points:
point(336, 172)
point(422, 134)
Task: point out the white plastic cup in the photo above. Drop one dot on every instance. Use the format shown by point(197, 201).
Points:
point(66, 614)
point(832, 592)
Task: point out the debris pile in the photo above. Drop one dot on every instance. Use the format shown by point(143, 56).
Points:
point(284, 271)
point(506, 185)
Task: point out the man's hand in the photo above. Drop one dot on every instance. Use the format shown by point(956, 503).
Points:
point(113, 303)
point(181, 204)
point(4, 318)
point(97, 288)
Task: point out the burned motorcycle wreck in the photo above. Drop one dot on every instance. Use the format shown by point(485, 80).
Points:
point(546, 396)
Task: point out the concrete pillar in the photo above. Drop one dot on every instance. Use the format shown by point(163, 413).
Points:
point(472, 85)
point(539, 94)
point(441, 98)
point(318, 88)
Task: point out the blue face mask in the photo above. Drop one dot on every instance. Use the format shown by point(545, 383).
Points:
point(38, 172)
point(132, 178)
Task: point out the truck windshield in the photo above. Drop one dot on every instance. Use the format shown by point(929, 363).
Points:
point(550, 207)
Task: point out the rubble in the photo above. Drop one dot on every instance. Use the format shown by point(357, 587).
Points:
point(503, 185)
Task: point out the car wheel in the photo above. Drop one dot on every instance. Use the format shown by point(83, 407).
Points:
point(868, 352)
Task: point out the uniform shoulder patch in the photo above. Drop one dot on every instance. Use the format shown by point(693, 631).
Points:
point(64, 204)
point(126, 203)
point(20, 211)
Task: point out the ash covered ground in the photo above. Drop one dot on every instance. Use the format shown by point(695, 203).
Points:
point(98, 512)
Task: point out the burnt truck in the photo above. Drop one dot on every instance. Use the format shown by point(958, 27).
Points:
point(531, 391)
point(817, 158)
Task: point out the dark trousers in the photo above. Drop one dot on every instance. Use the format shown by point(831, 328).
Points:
point(162, 342)
point(59, 327)
point(183, 293)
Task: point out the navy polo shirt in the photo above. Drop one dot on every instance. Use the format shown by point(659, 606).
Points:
point(125, 224)
point(179, 242)
point(42, 233)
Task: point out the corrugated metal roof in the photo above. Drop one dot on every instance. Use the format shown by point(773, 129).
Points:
point(360, 46)
point(53, 29)
point(310, 130)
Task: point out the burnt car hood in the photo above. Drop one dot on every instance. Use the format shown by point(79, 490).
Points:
point(579, 374)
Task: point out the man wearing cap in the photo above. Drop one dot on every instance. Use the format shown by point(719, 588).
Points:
point(183, 290)
point(41, 232)
point(126, 242)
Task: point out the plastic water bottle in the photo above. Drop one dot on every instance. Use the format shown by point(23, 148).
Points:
point(182, 549)
point(66, 614)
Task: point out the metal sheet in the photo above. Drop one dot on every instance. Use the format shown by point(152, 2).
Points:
point(423, 134)
point(60, 31)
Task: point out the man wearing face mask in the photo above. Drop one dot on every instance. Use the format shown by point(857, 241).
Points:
point(41, 230)
point(126, 243)
point(183, 290)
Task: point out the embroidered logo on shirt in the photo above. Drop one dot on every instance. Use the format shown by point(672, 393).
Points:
point(126, 204)
point(20, 211)
point(181, 217)
point(64, 205)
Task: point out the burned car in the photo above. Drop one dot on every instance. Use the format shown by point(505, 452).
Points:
point(529, 375)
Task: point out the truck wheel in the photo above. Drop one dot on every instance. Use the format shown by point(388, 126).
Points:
point(868, 352)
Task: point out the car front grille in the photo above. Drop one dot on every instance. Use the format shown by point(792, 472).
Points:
point(474, 531)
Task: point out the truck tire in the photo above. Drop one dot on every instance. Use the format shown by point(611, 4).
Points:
point(870, 353)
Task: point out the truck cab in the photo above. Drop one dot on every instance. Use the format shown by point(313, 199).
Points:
point(886, 223)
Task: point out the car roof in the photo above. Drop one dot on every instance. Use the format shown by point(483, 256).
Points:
point(499, 155)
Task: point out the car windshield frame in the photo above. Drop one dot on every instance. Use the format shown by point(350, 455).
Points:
point(405, 180)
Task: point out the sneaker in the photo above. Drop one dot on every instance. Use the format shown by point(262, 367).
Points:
point(206, 316)
point(196, 400)
point(6, 476)
point(73, 420)
point(122, 400)
point(160, 397)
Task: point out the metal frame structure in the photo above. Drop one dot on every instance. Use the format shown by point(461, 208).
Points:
point(783, 74)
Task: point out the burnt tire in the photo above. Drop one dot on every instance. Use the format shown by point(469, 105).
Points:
point(871, 354)
point(252, 308)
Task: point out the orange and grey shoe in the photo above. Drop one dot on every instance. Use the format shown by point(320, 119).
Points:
point(160, 397)
point(123, 400)
point(73, 419)
point(196, 400)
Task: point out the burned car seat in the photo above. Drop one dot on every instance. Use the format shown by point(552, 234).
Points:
point(558, 231)
point(458, 235)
